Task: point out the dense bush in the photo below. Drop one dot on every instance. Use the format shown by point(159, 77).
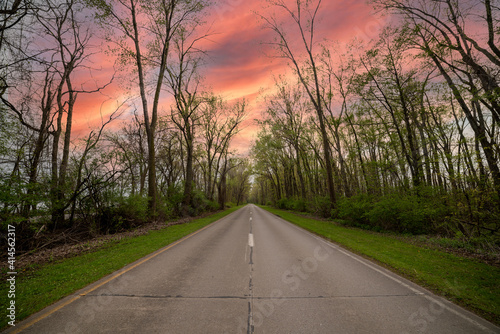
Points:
point(126, 213)
point(294, 204)
point(401, 214)
point(171, 202)
point(354, 208)
point(284, 204)
point(300, 205)
point(394, 212)
point(321, 206)
point(200, 204)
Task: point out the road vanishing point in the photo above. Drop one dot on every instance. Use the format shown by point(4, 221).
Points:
point(253, 272)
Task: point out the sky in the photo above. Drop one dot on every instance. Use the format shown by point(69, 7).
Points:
point(239, 63)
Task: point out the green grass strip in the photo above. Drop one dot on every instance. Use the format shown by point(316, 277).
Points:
point(51, 282)
point(472, 284)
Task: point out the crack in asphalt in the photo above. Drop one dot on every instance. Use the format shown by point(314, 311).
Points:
point(249, 297)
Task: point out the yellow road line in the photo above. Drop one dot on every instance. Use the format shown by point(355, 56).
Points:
point(34, 321)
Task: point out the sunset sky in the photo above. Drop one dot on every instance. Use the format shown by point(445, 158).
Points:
point(238, 65)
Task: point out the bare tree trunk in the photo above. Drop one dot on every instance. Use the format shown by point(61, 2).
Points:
point(46, 106)
point(188, 186)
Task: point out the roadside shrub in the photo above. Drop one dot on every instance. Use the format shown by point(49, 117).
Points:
point(135, 207)
point(284, 204)
point(300, 205)
point(404, 214)
point(124, 214)
point(354, 209)
point(200, 203)
point(411, 214)
point(321, 206)
point(214, 206)
point(385, 213)
point(173, 201)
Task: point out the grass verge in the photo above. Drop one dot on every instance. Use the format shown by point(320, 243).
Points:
point(47, 284)
point(472, 284)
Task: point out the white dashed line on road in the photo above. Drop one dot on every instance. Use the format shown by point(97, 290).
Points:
point(250, 240)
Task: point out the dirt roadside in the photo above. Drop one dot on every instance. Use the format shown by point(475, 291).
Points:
point(71, 247)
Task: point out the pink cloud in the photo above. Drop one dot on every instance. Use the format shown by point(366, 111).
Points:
point(237, 66)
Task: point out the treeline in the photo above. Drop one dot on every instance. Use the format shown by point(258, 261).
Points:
point(399, 134)
point(162, 160)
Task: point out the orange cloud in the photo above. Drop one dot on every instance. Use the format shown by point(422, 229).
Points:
point(238, 63)
point(237, 66)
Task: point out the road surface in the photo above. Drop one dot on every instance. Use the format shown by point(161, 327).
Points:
point(252, 272)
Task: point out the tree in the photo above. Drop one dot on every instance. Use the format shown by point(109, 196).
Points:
point(463, 60)
point(239, 180)
point(286, 113)
point(304, 18)
point(184, 82)
point(411, 122)
point(129, 146)
point(53, 64)
point(10, 15)
point(147, 29)
point(219, 123)
point(64, 26)
point(397, 91)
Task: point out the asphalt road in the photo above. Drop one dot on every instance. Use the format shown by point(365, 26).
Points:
point(252, 272)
